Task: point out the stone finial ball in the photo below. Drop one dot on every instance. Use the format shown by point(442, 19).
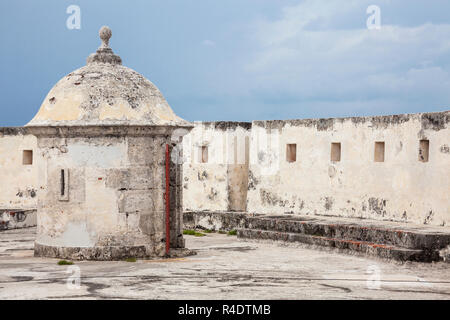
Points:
point(105, 34)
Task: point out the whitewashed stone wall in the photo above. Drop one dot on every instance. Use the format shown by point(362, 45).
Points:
point(247, 170)
point(216, 181)
point(18, 182)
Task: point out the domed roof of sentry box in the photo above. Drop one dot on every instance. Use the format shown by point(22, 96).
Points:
point(105, 93)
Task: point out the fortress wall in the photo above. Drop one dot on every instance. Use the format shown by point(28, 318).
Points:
point(400, 188)
point(215, 167)
point(246, 168)
point(19, 185)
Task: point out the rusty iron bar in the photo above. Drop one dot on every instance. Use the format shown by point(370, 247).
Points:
point(167, 201)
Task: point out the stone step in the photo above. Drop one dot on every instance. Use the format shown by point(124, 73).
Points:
point(387, 233)
point(364, 247)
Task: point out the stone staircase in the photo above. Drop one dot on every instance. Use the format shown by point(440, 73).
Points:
point(384, 239)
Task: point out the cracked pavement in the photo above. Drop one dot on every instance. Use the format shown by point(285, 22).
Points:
point(224, 268)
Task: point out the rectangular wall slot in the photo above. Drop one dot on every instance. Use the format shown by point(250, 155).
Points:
point(203, 154)
point(424, 150)
point(336, 151)
point(291, 152)
point(27, 157)
point(379, 151)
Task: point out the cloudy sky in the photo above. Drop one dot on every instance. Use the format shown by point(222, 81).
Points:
point(239, 59)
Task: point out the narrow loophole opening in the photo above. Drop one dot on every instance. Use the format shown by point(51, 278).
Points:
point(379, 151)
point(204, 154)
point(424, 150)
point(63, 183)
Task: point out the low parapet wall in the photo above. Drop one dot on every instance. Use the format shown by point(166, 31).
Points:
point(14, 219)
point(384, 168)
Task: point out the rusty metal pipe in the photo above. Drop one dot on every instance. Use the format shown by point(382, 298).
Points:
point(167, 201)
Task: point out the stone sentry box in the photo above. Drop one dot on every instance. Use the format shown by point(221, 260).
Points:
point(110, 203)
point(101, 135)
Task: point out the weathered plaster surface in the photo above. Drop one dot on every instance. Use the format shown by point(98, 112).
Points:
point(19, 187)
point(102, 93)
point(401, 188)
point(220, 184)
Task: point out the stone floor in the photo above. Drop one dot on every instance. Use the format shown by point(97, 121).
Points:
point(224, 268)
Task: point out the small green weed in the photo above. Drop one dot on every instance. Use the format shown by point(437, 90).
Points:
point(193, 233)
